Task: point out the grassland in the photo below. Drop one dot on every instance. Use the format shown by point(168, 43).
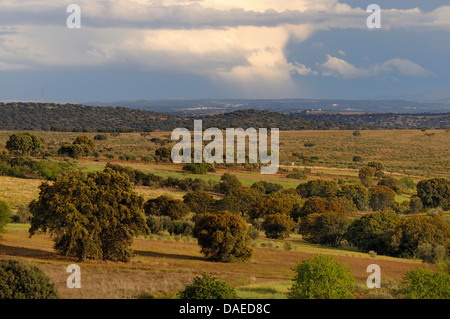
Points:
point(165, 264)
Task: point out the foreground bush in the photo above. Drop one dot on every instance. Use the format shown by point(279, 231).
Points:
point(321, 277)
point(207, 287)
point(424, 283)
point(19, 281)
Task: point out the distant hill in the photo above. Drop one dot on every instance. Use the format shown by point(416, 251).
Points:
point(218, 106)
point(79, 118)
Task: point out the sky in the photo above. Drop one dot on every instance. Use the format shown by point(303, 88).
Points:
point(274, 49)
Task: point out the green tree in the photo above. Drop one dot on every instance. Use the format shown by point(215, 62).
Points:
point(20, 281)
point(424, 283)
point(282, 202)
point(378, 166)
point(223, 237)
point(390, 182)
point(277, 226)
point(321, 277)
point(312, 205)
point(5, 214)
point(366, 175)
point(239, 200)
point(87, 144)
point(318, 188)
point(328, 228)
point(163, 152)
point(228, 183)
point(94, 216)
point(420, 229)
point(207, 287)
point(166, 206)
point(23, 143)
point(266, 187)
point(434, 192)
point(196, 168)
point(381, 197)
point(373, 231)
point(199, 202)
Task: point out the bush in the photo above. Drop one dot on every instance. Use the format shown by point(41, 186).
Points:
point(223, 237)
point(381, 197)
point(5, 214)
point(19, 281)
point(277, 226)
point(196, 168)
point(424, 283)
point(23, 214)
point(434, 192)
point(321, 277)
point(207, 287)
point(431, 254)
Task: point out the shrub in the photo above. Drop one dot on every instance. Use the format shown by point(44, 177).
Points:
point(223, 237)
point(373, 231)
point(366, 175)
point(418, 229)
point(434, 192)
point(277, 226)
point(207, 287)
point(166, 206)
point(5, 214)
point(321, 277)
point(424, 283)
point(319, 188)
point(196, 168)
point(381, 197)
point(19, 281)
point(431, 254)
point(23, 214)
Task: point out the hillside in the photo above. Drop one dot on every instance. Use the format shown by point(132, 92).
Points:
point(76, 117)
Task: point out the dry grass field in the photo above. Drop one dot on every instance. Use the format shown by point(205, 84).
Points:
point(163, 265)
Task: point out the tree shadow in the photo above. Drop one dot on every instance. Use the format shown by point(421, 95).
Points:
point(165, 255)
point(14, 251)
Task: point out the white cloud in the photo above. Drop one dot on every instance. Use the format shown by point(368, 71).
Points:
point(238, 42)
point(342, 69)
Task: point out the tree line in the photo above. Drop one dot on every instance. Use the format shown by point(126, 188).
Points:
point(81, 118)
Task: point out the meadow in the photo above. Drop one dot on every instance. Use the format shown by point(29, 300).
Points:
point(164, 264)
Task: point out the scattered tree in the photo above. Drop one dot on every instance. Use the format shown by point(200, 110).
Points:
point(321, 277)
point(277, 226)
point(373, 231)
point(24, 143)
point(166, 206)
point(366, 175)
point(381, 197)
point(207, 287)
point(434, 192)
point(223, 237)
point(93, 217)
